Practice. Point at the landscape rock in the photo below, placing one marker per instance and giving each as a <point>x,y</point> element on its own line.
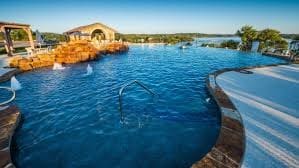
<point>68,53</point>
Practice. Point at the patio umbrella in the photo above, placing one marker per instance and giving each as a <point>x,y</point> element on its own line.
<point>39,38</point>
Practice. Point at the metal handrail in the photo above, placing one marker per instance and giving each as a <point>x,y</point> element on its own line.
<point>121,93</point>
<point>13,95</point>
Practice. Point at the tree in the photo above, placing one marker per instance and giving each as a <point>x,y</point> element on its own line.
<point>231,44</point>
<point>267,38</point>
<point>296,37</point>
<point>271,38</point>
<point>248,34</point>
<point>53,37</point>
<point>17,35</point>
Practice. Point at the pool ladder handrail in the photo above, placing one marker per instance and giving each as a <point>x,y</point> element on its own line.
<point>120,93</point>
<point>12,98</point>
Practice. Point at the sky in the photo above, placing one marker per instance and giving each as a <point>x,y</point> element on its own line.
<point>154,16</point>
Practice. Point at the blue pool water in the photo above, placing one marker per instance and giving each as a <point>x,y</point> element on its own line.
<point>72,120</point>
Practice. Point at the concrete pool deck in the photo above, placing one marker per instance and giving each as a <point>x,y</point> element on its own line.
<point>268,102</point>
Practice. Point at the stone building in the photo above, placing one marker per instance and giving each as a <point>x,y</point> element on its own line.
<point>95,31</point>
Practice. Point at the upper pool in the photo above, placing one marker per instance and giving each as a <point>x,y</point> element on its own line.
<point>72,120</point>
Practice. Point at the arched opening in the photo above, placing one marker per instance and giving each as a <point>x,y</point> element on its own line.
<point>98,34</point>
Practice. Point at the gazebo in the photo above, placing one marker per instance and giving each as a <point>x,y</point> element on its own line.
<point>6,27</point>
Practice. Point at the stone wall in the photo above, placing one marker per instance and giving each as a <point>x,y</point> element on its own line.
<point>69,53</point>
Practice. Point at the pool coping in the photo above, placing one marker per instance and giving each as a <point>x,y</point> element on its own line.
<point>229,148</point>
<point>10,117</point>
<point>10,73</point>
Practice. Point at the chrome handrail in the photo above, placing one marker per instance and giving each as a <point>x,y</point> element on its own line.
<point>13,95</point>
<point>121,93</point>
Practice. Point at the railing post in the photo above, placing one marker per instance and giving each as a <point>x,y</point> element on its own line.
<point>11,99</point>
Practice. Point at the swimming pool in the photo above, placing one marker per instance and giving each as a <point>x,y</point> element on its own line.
<point>73,120</point>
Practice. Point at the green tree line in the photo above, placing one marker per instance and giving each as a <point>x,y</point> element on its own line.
<point>165,38</point>
<point>21,35</point>
<point>230,44</point>
<point>268,38</point>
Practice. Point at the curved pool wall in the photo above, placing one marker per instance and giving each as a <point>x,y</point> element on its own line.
<point>74,119</point>
<point>230,146</point>
<point>229,149</point>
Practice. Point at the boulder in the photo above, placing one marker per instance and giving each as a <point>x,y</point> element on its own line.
<point>24,64</point>
<point>70,53</point>
<point>14,61</point>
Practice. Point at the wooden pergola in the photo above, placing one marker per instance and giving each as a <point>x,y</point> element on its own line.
<point>6,27</point>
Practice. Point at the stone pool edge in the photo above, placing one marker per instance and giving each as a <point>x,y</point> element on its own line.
<point>229,148</point>
<point>10,118</point>
<point>10,73</point>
